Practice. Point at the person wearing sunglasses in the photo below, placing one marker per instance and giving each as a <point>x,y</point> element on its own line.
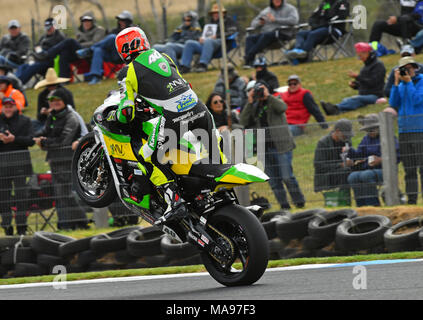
<point>190,29</point>
<point>301,106</point>
<point>217,106</point>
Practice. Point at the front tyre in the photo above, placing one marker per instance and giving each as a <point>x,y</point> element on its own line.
<point>91,176</point>
<point>245,255</point>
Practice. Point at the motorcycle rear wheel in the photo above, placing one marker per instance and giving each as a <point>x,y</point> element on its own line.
<point>95,187</point>
<point>249,240</point>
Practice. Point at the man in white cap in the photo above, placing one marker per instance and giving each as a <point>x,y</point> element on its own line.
<point>14,46</point>
<point>105,49</point>
<point>51,37</point>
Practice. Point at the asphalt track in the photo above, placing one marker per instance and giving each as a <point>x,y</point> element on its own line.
<point>395,279</point>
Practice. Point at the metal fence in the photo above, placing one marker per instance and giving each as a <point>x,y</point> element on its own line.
<point>45,199</point>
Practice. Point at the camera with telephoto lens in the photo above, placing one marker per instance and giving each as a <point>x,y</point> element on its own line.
<point>258,90</point>
<point>403,71</point>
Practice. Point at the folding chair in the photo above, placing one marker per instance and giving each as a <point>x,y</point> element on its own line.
<point>41,196</point>
<point>110,69</point>
<point>275,52</point>
<point>78,68</point>
<point>231,46</point>
<point>337,41</point>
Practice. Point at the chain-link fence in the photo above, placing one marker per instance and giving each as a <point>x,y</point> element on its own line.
<point>38,195</point>
<point>318,171</point>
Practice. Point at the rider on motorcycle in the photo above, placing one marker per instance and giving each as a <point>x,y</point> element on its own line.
<point>155,78</point>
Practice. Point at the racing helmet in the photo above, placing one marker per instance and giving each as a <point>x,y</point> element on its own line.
<point>130,42</point>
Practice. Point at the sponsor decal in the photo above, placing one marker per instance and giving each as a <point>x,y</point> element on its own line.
<point>184,116</point>
<point>154,56</point>
<point>186,102</point>
<point>175,84</point>
<point>204,239</point>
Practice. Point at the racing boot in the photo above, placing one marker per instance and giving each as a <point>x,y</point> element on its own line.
<point>176,208</point>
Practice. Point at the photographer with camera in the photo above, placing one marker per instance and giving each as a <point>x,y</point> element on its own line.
<point>407,99</point>
<point>268,112</point>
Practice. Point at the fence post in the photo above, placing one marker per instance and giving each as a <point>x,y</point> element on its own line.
<point>389,158</point>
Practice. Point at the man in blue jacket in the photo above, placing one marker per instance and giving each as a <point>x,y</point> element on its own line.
<point>407,98</point>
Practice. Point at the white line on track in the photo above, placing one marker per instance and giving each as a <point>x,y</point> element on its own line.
<point>186,275</point>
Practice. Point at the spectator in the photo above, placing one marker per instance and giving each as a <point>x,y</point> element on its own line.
<point>407,99</point>
<point>5,70</point>
<point>331,168</point>
<point>406,51</point>
<point>278,14</point>
<point>369,83</point>
<point>14,46</point>
<point>190,29</point>
<point>319,21</point>
<point>217,106</point>
<point>236,88</point>
<point>407,6</point>
<point>105,50</point>
<point>209,42</point>
<point>15,165</point>
<point>7,91</point>
<point>263,75</point>
<point>88,34</point>
<point>61,130</point>
<point>369,156</point>
<point>52,37</point>
<point>404,26</point>
<point>301,105</point>
<point>266,111</point>
<point>51,82</point>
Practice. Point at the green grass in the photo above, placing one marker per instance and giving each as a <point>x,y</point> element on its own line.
<point>200,268</point>
<point>327,81</point>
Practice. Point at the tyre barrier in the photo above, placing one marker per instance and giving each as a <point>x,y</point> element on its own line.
<point>310,233</point>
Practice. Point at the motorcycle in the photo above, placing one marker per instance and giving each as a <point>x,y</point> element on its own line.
<point>232,242</point>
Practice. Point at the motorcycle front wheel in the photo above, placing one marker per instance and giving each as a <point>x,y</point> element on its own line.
<point>242,235</point>
<point>91,175</point>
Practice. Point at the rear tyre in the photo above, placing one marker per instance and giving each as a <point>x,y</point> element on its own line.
<point>93,185</point>
<point>249,242</point>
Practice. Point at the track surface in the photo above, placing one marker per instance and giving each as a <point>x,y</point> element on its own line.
<point>377,280</point>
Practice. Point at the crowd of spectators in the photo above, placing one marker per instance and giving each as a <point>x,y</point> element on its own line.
<point>257,101</point>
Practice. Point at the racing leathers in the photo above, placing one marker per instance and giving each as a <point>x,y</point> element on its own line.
<point>155,78</point>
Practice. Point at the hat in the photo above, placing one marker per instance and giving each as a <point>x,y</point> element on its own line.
<point>89,15</point>
<point>362,47</point>
<point>59,93</point>
<point>294,77</point>
<point>125,15</point>
<point>8,100</point>
<point>51,78</point>
<point>407,49</point>
<point>5,79</point>
<point>260,62</point>
<point>48,23</point>
<point>368,122</point>
<point>13,24</point>
<point>250,85</point>
<point>345,126</point>
<point>215,8</point>
<point>407,60</point>
<point>231,70</point>
<point>5,67</point>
